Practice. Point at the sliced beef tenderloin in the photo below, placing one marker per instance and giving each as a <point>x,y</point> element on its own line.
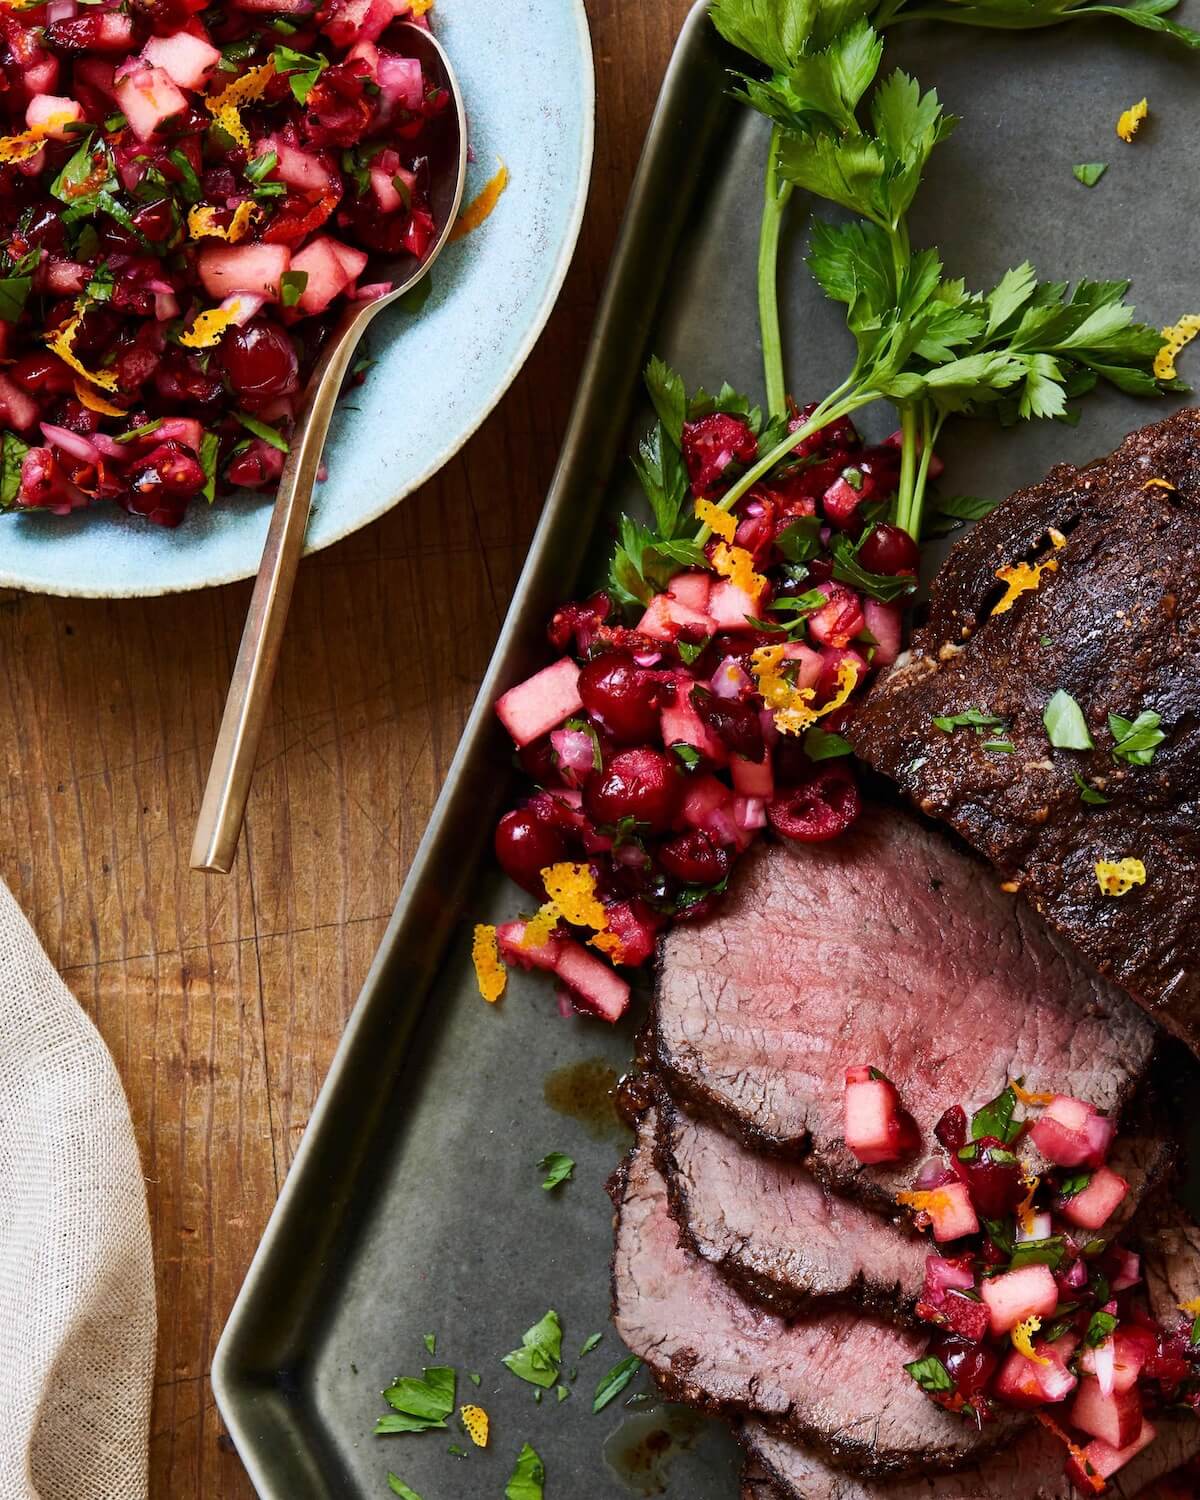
<point>769,1226</point>
<point>1029,1469</point>
<point>889,947</point>
<point>1115,622</point>
<point>756,1484</point>
<point>836,1381</point>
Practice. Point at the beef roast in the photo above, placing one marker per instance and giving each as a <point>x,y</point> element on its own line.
<point>770,1228</point>
<point>891,947</point>
<point>1115,622</point>
<point>1031,1469</point>
<point>836,1381</point>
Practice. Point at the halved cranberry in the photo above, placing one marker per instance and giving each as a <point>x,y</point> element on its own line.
<point>525,845</point>
<point>576,623</point>
<point>645,785</point>
<point>993,1178</point>
<point>694,859</point>
<point>170,469</point>
<point>970,1365</point>
<point>889,549</point>
<point>636,925</point>
<point>623,698</point>
<point>735,722</point>
<point>711,444</point>
<point>951,1129</point>
<point>42,374</point>
<point>260,360</point>
<point>256,466</point>
<point>818,809</point>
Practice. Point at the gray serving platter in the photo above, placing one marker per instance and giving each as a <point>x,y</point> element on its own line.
<point>414,1205</point>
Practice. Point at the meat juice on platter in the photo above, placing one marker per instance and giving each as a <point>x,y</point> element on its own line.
<point>900,1206</point>
<point>191,195</point>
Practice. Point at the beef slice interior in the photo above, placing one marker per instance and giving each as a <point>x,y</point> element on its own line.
<point>769,1227</point>
<point>836,1381</point>
<point>1114,622</point>
<point>1028,1469</point>
<point>889,947</point>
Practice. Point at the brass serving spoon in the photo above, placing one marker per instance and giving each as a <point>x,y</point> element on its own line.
<point>224,806</point>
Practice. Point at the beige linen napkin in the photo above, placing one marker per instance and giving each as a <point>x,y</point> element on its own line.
<point>77,1315</point>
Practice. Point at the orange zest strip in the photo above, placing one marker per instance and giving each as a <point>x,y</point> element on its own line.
<point>481,206</point>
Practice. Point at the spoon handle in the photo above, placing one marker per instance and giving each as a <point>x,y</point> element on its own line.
<point>219,824</point>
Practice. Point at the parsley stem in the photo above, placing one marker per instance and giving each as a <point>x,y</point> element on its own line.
<point>836,404</point>
<point>909,445</point>
<point>775,202</point>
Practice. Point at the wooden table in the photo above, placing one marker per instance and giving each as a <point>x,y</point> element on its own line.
<point>222,999</point>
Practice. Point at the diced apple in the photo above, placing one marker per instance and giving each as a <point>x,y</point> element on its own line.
<point>17,408</point>
<point>1128,1271</point>
<point>728,606</point>
<point>400,80</point>
<point>1132,1346</point>
<point>1041,1227</point>
<point>541,702</point>
<point>704,797</point>
<point>886,624</point>
<point>225,269</point>
<point>809,663</point>
<point>1014,1296</point>
<point>1097,1203</point>
<point>1024,1383</point>
<point>1104,1460</point>
<point>753,778</point>
<point>303,170</point>
<point>873,1119</point>
<point>330,268</point>
<point>1072,1133</point>
<point>951,1212</point>
<point>508,940</point>
<point>692,590</point>
<point>681,724</point>
<point>1116,1418</point>
<point>595,985</point>
<point>665,617</point>
<point>186,59</point>
<point>53,113</point>
<point>384,188</point>
<point>148,97</point>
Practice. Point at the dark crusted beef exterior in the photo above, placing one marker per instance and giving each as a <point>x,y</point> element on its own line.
<point>767,1225</point>
<point>1116,625</point>
<point>887,947</point>
<point>836,1381</point>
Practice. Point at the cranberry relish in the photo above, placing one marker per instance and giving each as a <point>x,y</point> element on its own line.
<point>1034,1304</point>
<point>661,750</point>
<point>190,192</point>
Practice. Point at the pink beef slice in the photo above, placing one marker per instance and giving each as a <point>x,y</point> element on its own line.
<point>769,1227</point>
<point>889,947</point>
<point>836,1381</point>
<point>1115,623</point>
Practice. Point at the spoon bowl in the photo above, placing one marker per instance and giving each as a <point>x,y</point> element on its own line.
<point>219,824</point>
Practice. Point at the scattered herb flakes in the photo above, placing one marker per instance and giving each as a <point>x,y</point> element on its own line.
<point>1194,1336</point>
<point>930,1374</point>
<point>557,1167</point>
<point>821,744</point>
<point>291,287</point>
<point>1044,640</point>
<point>970,718</point>
<point>1099,1329</point>
<point>456,1451</point>
<point>690,650</point>
<point>418,1405</point>
<point>615,1381</point>
<point>1088,793</point>
<point>996,1119</point>
<point>210,448</point>
<point>474,1377</point>
<point>1089,172</point>
<point>1001,747</point>
<point>688,754</point>
<point>562,1393</point>
<point>398,1487</point>
<point>1072,1186</point>
<point>262,430</point>
<point>430,1342</point>
<point>1065,723</point>
<point>1136,739</point>
<point>143,431</point>
<point>1048,1252</point>
<point>527,1478</point>
<point>537,1360</point>
<point>537,1396</point>
<point>14,290</point>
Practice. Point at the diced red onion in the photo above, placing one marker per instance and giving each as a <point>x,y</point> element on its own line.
<point>1075,1275</point>
<point>935,1173</point>
<point>647,658</point>
<point>166,306</point>
<point>71,442</point>
<point>942,1274</point>
<point>248,305</point>
<point>722,825</point>
<point>1105,1360</point>
<point>754,508</point>
<point>108,446</point>
<point>749,813</point>
<point>574,749</point>
<point>369,292</point>
<point>730,679</point>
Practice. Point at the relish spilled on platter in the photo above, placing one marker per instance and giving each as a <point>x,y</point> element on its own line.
<point>1036,1307</point>
<point>661,749</point>
<point>190,194</point>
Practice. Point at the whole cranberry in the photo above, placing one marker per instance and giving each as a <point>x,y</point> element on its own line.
<point>259,360</point>
<point>951,1129</point>
<point>155,219</point>
<point>818,809</point>
<point>623,698</point>
<point>694,859</point>
<point>889,549</point>
<point>525,845</point>
<point>42,374</point>
<point>635,925</point>
<point>993,1178</point>
<point>644,784</point>
<point>733,721</point>
<point>970,1366</point>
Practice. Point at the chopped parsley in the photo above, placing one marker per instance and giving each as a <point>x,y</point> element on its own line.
<point>1088,793</point>
<point>538,1359</point>
<point>557,1167</point>
<point>418,1405</point>
<point>398,1487</point>
<point>970,718</point>
<point>430,1342</point>
<point>930,1374</point>
<point>302,70</point>
<point>590,1343</point>
<point>12,456</point>
<point>1003,747</point>
<point>528,1478</point>
<point>1065,723</point>
<point>1100,1327</point>
<point>1136,739</point>
<point>1048,1252</point>
<point>1089,172</point>
<point>996,1119</point>
<point>291,287</point>
<point>1073,1185</point>
<point>612,1384</point>
<point>263,430</point>
<point>821,744</point>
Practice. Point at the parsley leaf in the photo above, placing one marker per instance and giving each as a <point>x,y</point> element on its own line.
<point>996,1119</point>
<point>430,1342</point>
<point>12,456</point>
<point>1099,1328</point>
<point>1048,1252</point>
<point>1074,1184</point>
<point>301,70</point>
<point>1136,739</point>
<point>590,1343</point>
<point>930,1374</point>
<point>291,287</point>
<point>398,1487</point>
<point>262,430</point>
<point>1065,724</point>
<point>210,448</point>
<point>970,718</point>
<point>261,167</point>
<point>14,292</point>
<point>540,1354</point>
<point>882,586</point>
<point>1088,793</point>
<point>557,1167</point>
<point>669,395</point>
<point>820,744</point>
<point>528,1478</point>
<point>419,1405</point>
<point>612,1384</point>
<point>1090,172</point>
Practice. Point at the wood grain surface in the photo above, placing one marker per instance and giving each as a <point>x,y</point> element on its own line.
<point>222,999</point>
